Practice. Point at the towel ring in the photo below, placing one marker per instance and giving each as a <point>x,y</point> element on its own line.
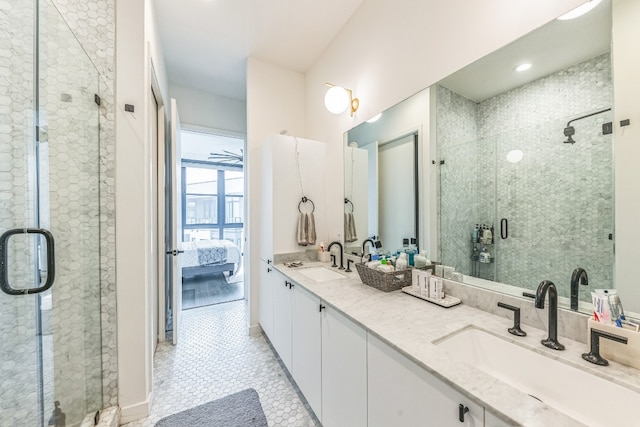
<point>305,200</point>
<point>347,201</point>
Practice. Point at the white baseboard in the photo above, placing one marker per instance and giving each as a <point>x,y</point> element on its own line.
<point>137,411</point>
<point>255,330</point>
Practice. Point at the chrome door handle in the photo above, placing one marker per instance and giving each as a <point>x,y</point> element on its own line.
<point>4,271</point>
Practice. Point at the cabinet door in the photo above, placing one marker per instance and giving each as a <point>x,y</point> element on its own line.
<point>344,371</point>
<point>306,351</point>
<point>282,318</point>
<point>401,393</point>
<point>491,420</point>
<point>266,299</point>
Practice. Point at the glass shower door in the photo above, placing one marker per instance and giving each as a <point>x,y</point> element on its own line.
<point>557,198</point>
<point>50,346</point>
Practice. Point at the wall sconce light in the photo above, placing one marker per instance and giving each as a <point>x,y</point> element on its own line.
<point>338,99</point>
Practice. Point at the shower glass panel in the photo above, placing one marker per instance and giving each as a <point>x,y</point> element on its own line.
<point>558,203</point>
<point>50,352</point>
<point>550,204</point>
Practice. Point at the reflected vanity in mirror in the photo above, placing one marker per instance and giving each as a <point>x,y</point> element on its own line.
<point>525,155</point>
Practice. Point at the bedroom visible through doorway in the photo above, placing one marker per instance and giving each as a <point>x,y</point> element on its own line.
<point>213,207</point>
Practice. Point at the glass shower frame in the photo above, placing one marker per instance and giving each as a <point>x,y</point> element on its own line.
<point>51,347</point>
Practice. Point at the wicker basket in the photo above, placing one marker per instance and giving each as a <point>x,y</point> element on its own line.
<point>386,282</point>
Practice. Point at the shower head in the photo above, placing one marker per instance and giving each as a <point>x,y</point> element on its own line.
<point>569,131</point>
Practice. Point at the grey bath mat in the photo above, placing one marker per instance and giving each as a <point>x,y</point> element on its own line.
<point>242,409</point>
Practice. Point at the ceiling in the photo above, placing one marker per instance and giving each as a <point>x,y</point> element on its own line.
<point>550,48</point>
<point>206,43</point>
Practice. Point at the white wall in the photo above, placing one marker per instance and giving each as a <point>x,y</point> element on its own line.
<point>626,141</point>
<point>136,47</point>
<point>275,102</point>
<point>208,110</point>
<point>389,51</point>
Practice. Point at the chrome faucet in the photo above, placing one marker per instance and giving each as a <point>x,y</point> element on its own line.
<point>341,253</point>
<point>364,244</point>
<point>579,276</point>
<point>543,287</point>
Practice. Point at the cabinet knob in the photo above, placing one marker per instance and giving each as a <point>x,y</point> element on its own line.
<point>287,284</point>
<point>268,270</point>
<point>322,307</point>
<point>462,410</point>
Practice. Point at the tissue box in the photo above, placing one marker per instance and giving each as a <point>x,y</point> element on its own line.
<point>626,354</point>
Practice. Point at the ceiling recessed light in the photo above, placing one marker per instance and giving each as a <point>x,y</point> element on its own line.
<point>580,10</point>
<point>374,118</point>
<point>523,67</point>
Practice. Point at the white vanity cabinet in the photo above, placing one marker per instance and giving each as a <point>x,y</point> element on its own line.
<point>282,322</point>
<point>402,393</point>
<point>491,420</point>
<point>344,371</point>
<point>306,347</point>
<point>266,298</point>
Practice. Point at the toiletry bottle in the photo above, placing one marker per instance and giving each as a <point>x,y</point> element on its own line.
<point>401,262</point>
<point>384,266</point>
<point>484,256</point>
<point>475,234</point>
<point>488,236</point>
<point>420,260</point>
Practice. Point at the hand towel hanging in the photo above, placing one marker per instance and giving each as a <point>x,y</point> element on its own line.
<point>302,232</point>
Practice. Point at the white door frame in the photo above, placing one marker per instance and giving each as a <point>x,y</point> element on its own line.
<point>160,187</point>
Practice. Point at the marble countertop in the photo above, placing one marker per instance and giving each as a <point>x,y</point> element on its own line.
<point>411,325</point>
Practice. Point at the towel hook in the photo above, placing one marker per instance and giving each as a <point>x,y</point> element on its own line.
<point>305,200</point>
<point>347,201</point>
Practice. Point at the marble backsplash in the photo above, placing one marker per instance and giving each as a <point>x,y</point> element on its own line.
<point>571,324</point>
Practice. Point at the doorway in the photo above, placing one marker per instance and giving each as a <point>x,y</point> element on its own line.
<point>212,196</point>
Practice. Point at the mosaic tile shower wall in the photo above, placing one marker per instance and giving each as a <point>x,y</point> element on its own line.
<point>77,188</point>
<point>457,131</point>
<point>558,199</point>
<point>93,24</point>
<point>69,133</point>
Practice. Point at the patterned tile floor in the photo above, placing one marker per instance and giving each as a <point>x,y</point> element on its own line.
<point>216,357</point>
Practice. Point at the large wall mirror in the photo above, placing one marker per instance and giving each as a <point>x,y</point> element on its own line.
<point>521,160</point>
<point>382,163</point>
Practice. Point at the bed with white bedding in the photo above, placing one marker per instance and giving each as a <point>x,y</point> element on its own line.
<point>209,256</point>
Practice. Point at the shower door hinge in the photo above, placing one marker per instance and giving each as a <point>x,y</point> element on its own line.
<point>442,162</point>
<point>97,99</point>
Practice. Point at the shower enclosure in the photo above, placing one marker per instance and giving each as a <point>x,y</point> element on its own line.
<point>534,166</point>
<point>550,204</point>
<point>50,345</point>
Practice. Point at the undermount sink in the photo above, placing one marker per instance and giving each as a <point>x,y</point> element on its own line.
<point>321,274</point>
<point>583,396</point>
